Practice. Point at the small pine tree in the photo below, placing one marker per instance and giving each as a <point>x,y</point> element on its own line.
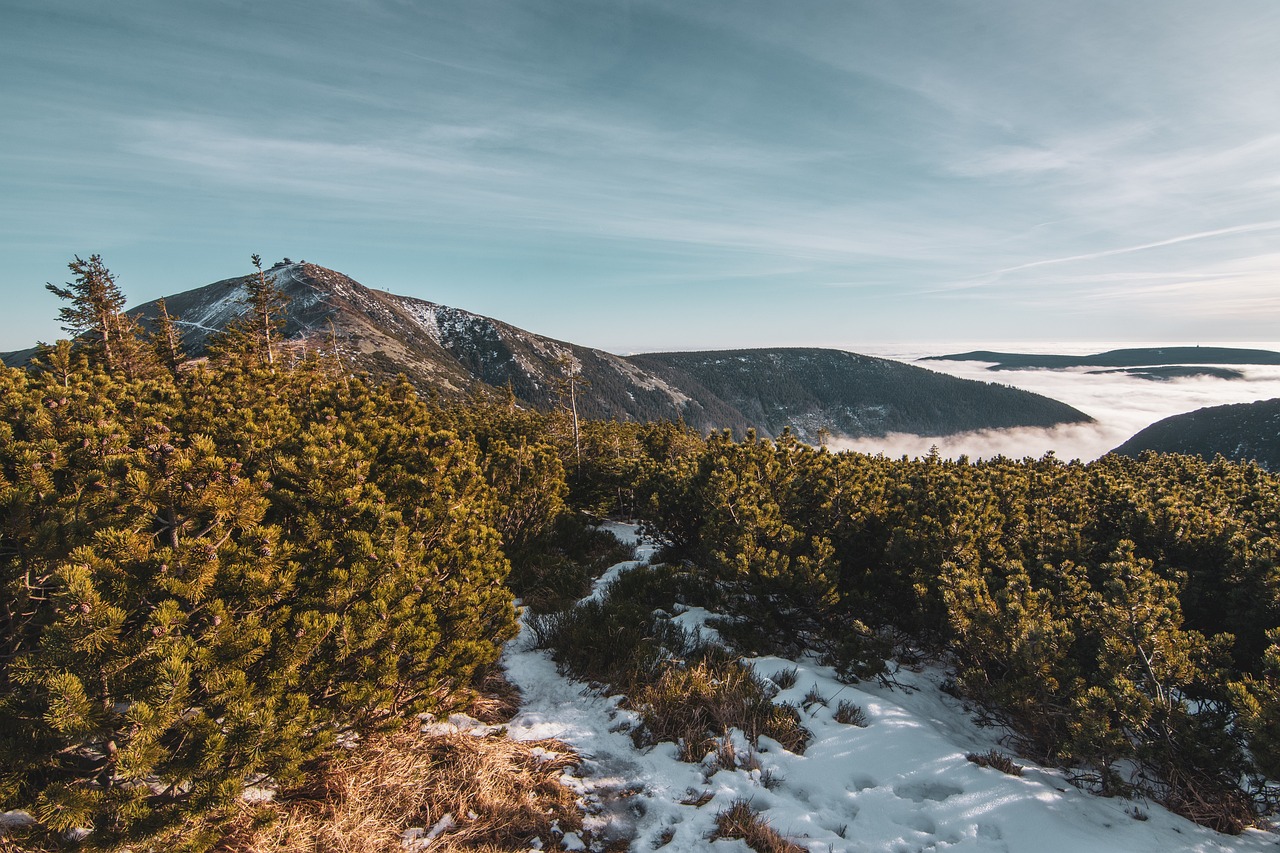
<point>166,338</point>
<point>95,316</point>
<point>1257,702</point>
<point>95,305</point>
<point>265,304</point>
<point>136,357</point>
<point>253,338</point>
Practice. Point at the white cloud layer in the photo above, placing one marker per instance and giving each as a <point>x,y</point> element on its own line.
<point>1121,405</point>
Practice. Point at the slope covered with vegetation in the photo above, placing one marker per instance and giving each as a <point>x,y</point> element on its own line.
<point>215,573</point>
<point>1131,357</point>
<point>820,391</point>
<point>1118,615</point>
<point>1242,432</point>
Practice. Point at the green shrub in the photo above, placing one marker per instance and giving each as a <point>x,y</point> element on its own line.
<point>557,568</point>
<point>695,706</point>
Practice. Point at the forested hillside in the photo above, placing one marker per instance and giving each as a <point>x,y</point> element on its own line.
<point>1121,358</point>
<point>816,391</point>
<point>1245,432</point>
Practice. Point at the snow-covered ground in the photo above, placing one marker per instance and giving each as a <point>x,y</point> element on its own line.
<point>901,783</point>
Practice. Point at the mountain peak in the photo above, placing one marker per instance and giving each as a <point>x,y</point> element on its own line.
<point>452,351</point>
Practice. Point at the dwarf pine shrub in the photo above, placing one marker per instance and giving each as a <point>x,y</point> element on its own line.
<point>687,691</point>
<point>1116,614</point>
<point>208,578</point>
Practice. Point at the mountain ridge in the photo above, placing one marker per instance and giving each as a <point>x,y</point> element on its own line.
<point>454,352</point>
<point>1130,357</point>
<point>853,394</point>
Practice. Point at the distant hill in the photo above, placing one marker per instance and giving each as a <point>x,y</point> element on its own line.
<point>1164,373</point>
<point>452,352</point>
<point>850,394</point>
<point>1243,431</point>
<point>1172,361</point>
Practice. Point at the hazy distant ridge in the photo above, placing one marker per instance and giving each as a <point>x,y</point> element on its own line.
<point>1132,357</point>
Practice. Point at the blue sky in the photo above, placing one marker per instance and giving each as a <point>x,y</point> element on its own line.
<point>663,175</point>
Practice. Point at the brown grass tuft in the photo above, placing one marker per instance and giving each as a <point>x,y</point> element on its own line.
<point>850,713</point>
<point>698,800</point>
<point>496,699</point>
<point>813,697</point>
<point>1209,802</point>
<point>742,821</point>
<point>697,706</point>
<point>500,793</point>
<point>785,678</point>
<point>996,761</point>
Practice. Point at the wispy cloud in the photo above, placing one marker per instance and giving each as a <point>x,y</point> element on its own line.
<point>1142,247</point>
<point>880,166</point>
<point>1079,152</point>
<point>548,172</point>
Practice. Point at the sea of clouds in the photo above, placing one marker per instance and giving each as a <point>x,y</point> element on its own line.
<point>1121,405</point>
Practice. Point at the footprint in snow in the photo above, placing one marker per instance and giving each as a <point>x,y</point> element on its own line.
<point>920,791</point>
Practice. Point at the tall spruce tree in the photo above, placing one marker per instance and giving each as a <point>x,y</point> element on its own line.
<point>95,317</point>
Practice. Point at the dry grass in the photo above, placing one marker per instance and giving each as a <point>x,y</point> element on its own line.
<point>500,793</point>
<point>1219,805</point>
<point>850,713</point>
<point>496,700</point>
<point>11,845</point>
<point>996,761</point>
<point>698,800</point>
<point>698,705</point>
<point>785,678</point>
<point>742,821</point>
<point>813,697</point>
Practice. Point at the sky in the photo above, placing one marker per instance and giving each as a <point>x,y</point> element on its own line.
<point>661,174</point>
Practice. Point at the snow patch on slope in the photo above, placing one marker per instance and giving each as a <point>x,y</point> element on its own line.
<point>425,315</point>
<point>217,314</point>
<point>647,381</point>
